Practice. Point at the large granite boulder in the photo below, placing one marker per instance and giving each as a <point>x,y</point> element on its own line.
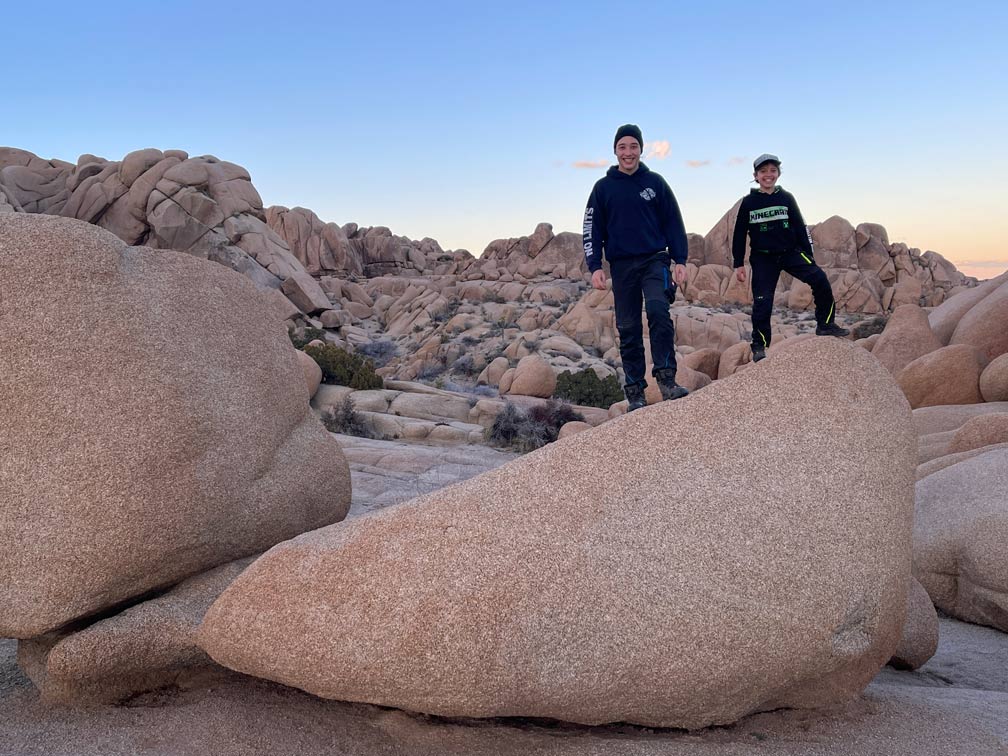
<point>994,380</point>
<point>154,423</point>
<point>669,586</point>
<point>950,375</point>
<point>533,377</point>
<point>961,538</point>
<point>920,630</point>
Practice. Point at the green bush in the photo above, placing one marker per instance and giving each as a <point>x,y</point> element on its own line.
<point>345,368</point>
<point>587,389</point>
<point>301,337</point>
<point>526,431</point>
<point>343,418</point>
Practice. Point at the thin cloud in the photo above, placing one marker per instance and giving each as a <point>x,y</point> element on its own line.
<point>985,263</point>
<point>736,161</point>
<point>697,163</point>
<point>658,150</point>
<point>590,163</point>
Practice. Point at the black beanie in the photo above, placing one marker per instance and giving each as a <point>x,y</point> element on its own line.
<point>628,129</point>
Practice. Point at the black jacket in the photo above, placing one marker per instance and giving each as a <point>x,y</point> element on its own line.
<point>774,224</point>
<point>630,216</point>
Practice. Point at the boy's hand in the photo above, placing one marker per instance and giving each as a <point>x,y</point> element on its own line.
<point>740,274</point>
<point>598,280</point>
<point>679,274</point>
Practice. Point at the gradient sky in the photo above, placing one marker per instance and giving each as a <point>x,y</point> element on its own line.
<point>465,121</point>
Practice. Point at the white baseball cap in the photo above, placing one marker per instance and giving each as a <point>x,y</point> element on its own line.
<point>766,157</point>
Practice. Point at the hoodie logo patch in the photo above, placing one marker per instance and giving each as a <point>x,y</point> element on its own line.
<point>648,194</point>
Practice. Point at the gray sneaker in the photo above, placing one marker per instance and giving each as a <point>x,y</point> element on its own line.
<point>758,353</point>
<point>669,388</point>
<point>634,393</point>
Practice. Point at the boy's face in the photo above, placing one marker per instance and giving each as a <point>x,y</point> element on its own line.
<point>767,175</point>
<point>628,154</point>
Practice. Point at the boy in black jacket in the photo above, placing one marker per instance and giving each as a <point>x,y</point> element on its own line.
<point>633,218</point>
<point>778,240</point>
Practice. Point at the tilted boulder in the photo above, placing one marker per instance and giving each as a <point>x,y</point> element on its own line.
<point>148,646</point>
<point>983,326</point>
<point>570,584</point>
<point>928,420</point>
<point>945,318</point>
<point>982,430</point>
<point>154,423</point>
<point>961,538</point>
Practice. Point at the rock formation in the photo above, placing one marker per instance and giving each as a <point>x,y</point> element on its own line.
<point>155,423</point>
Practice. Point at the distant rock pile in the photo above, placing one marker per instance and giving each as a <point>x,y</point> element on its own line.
<point>444,312</point>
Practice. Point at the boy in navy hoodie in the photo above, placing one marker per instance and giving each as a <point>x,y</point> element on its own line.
<point>633,219</point>
<point>778,241</point>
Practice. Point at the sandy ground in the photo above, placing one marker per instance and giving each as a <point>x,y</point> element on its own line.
<point>956,704</point>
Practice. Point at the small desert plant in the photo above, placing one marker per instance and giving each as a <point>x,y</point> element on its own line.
<point>554,414</point>
<point>465,365</point>
<point>343,418</point>
<point>380,352</point>
<point>867,328</point>
<point>473,392</point>
<point>587,389</point>
<point>301,337</point>
<point>526,431</point>
<point>344,368</point>
<point>431,371</point>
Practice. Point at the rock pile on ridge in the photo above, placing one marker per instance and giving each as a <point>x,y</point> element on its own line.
<point>669,586</point>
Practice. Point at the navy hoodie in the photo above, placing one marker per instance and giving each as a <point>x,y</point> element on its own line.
<point>774,224</point>
<point>630,216</point>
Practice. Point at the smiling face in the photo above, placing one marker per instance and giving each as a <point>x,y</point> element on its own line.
<point>766,176</point>
<point>628,154</point>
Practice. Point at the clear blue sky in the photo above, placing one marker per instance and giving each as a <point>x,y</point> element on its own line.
<point>464,121</point>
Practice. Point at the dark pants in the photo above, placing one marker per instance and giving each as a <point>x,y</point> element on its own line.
<point>644,280</point>
<point>766,269</point>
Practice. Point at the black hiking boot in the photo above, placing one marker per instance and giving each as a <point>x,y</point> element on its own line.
<point>830,329</point>
<point>758,353</point>
<point>634,393</point>
<point>669,388</point>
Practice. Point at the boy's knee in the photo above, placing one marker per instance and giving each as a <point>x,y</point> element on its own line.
<point>629,326</point>
<point>656,309</point>
<point>762,303</point>
<point>820,280</point>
